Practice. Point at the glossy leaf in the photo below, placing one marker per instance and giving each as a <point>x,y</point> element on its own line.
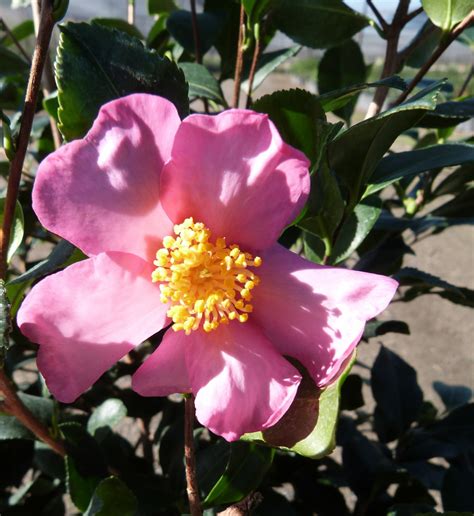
<point>340,67</point>
<point>180,25</point>
<point>355,229</point>
<point>161,6</point>
<point>355,154</point>
<point>108,414</point>
<point>401,165</point>
<point>118,23</point>
<point>97,64</point>
<point>452,396</point>
<point>11,63</point>
<point>266,64</point>
<point>449,114</point>
<point>248,464</point>
<point>427,39</point>
<point>309,426</point>
<point>446,13</point>
<point>17,230</point>
<point>397,394</point>
<point>255,9</point>
<point>11,428</point>
<point>318,23</point>
<point>298,117</point>
<point>337,99</point>
<point>202,84</point>
<point>110,498</point>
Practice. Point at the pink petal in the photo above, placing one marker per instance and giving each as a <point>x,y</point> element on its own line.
<point>88,316</point>
<point>316,314</point>
<point>234,173</point>
<point>102,193</point>
<point>241,383</point>
<point>164,372</point>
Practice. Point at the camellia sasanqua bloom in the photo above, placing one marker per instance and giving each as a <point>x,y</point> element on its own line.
<point>180,221</point>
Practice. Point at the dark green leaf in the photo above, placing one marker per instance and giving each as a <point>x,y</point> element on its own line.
<point>118,23</point>
<point>355,154</point>
<point>407,164</point>
<point>21,31</point>
<point>340,67</point>
<point>11,63</point>
<point>318,23</point>
<point>397,393</point>
<point>446,13</point>
<point>112,497</point>
<point>334,100</point>
<point>309,426</point>
<point>314,248</point>
<point>18,228</point>
<point>298,117</point>
<point>247,466</point>
<point>356,228</point>
<point>456,181</point>
<point>211,463</point>
<point>108,414</point>
<point>202,84</point>
<point>427,38</point>
<point>457,493</point>
<point>449,114</point>
<point>453,395</point>
<point>158,34</point>
<point>96,64</point>
<point>256,9</point>
<point>266,64</point>
<point>11,428</point>
<point>378,328</point>
<point>161,6</point>
<point>51,105</point>
<point>180,26</point>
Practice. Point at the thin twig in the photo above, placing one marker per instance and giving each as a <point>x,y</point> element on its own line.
<point>239,59</point>
<point>378,15</point>
<point>11,403</point>
<point>131,12</point>
<point>190,458</point>
<point>15,41</point>
<point>413,14</point>
<point>253,69</point>
<point>466,82</point>
<point>442,46</point>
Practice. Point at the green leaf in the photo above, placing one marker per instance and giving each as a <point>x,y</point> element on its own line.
<point>119,24</point>
<point>356,228</point>
<point>453,396</point>
<point>108,414</point>
<point>266,64</point>
<point>11,63</point>
<point>446,13</point>
<point>158,34</point>
<point>467,37</point>
<point>161,6</point>
<point>337,99</point>
<point>449,114</point>
<point>11,428</point>
<point>456,181</point>
<point>63,254</point>
<point>112,497</point>
<point>202,84</point>
<point>397,394</point>
<point>298,117</point>
<point>355,153</point>
<point>340,67</point>
<point>180,26</point>
<point>256,9</point>
<point>20,32</point>
<point>17,230</point>
<point>423,44</point>
<point>318,23</point>
<point>51,105</point>
<point>97,64</point>
<point>248,464</point>
<point>401,165</point>
<point>309,426</point>
<point>457,493</point>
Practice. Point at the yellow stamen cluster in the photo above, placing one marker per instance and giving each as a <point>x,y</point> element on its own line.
<point>206,283</point>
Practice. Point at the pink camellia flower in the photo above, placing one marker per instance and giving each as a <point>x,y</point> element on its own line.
<point>180,221</point>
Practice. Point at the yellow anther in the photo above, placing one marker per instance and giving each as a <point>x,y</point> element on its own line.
<point>206,283</point>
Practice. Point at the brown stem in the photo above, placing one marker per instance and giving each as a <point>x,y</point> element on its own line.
<point>13,405</point>
<point>466,82</point>
<point>253,69</point>
<point>190,458</point>
<point>197,44</point>
<point>34,82</point>
<point>442,46</point>
<point>239,59</point>
<point>390,65</point>
<point>413,14</point>
<point>378,15</point>
<point>15,40</point>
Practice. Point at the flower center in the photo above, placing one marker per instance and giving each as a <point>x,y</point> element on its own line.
<point>206,283</point>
